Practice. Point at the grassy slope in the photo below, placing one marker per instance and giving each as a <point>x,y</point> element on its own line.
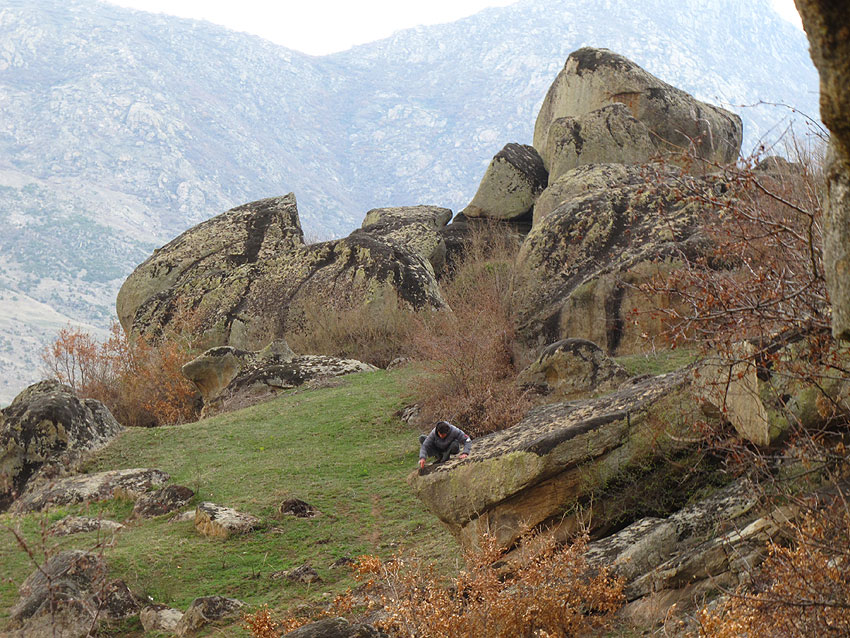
<point>340,449</point>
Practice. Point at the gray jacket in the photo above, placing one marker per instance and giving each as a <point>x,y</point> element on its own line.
<point>434,443</point>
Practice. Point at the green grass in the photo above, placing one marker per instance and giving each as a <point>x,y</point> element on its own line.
<point>657,362</point>
<point>341,449</point>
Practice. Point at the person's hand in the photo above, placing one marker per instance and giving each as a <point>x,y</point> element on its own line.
<point>421,464</point>
<point>463,456</point>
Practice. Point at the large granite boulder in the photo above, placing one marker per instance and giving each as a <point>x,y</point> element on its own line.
<point>415,228</point>
<point>510,185</point>
<point>584,260</point>
<point>827,25</point>
<point>229,378</point>
<point>594,78</point>
<point>86,488</point>
<point>45,431</point>
<point>544,470</point>
<point>244,273</point>
<point>572,368</point>
<point>608,134</point>
<point>67,596</point>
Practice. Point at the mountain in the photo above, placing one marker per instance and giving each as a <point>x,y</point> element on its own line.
<point>120,129</point>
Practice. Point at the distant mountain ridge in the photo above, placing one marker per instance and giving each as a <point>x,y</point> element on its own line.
<point>119,129</point>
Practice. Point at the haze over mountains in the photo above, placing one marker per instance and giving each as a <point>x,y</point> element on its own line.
<point>120,129</point>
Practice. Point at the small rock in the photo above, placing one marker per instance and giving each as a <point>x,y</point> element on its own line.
<point>162,501</point>
<point>298,508</point>
<point>334,628</point>
<point>208,610</point>
<point>160,618</point>
<point>79,524</point>
<point>304,574</point>
<point>116,601</point>
<point>215,521</point>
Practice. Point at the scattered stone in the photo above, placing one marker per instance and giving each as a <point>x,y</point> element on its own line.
<point>162,501</point>
<point>305,575</point>
<point>79,524</point>
<point>345,561</point>
<point>183,517</point>
<point>84,488</point>
<point>215,521</point>
<point>116,601</point>
<point>44,433</point>
<point>209,610</point>
<point>298,508</point>
<point>160,618</point>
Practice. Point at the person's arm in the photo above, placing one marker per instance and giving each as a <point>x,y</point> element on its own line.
<point>423,449</point>
<point>467,442</point>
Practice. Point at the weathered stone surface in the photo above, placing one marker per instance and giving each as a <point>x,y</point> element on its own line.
<point>594,78</point>
<point>335,628</point>
<point>607,134</point>
<point>160,618</point>
<point>247,276</point>
<point>415,228</point>
<point>45,431</point>
<point>116,602</point>
<point>60,596</point>
<point>537,471</point>
<point>230,379</point>
<point>510,185</point>
<point>79,524</point>
<point>208,610</point>
<point>305,574</point>
<point>298,508</point>
<point>216,521</point>
<point>573,367</point>
<point>585,258</point>
<point>826,25</point>
<point>162,501</point>
<point>84,488</point>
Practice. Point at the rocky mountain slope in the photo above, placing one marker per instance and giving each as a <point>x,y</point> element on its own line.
<point>120,129</point>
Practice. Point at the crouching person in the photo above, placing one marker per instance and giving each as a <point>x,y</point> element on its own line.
<point>443,441</point>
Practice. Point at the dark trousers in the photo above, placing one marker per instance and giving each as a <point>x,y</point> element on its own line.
<point>442,455</point>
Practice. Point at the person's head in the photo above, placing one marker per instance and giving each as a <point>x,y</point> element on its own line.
<point>442,429</point>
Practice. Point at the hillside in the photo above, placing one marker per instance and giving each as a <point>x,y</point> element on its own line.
<point>120,129</point>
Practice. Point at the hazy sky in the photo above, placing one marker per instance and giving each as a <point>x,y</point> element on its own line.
<point>324,26</point>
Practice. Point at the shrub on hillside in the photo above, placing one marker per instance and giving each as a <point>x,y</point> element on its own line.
<point>472,354</point>
<point>140,382</point>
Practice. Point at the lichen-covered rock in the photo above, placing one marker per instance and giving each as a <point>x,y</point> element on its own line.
<point>585,180</point>
<point>45,431</point>
<point>415,228</point>
<point>571,368</point>
<point>607,134</point>
<point>208,610</point>
<point>162,501</point>
<point>160,618</point>
<point>84,488</point>
<point>584,260</point>
<point>80,524</point>
<point>335,628</point>
<point>247,275</point>
<point>594,78</point>
<point>216,521</point>
<point>229,378</point>
<point>537,472</point>
<point>510,185</point>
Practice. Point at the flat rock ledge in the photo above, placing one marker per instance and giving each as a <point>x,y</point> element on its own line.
<point>79,524</point>
<point>216,521</point>
<point>84,488</point>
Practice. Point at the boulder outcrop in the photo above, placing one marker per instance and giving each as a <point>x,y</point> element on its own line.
<point>595,78</point>
<point>246,275</point>
<point>45,431</point>
<point>584,259</point>
<point>85,488</point>
<point>572,368</point>
<point>414,228</point>
<point>607,134</point>
<point>229,378</point>
<point>217,521</point>
<point>546,468</point>
<point>514,179</point>
<point>335,628</point>
<point>208,610</point>
<point>162,501</point>
<point>79,524</point>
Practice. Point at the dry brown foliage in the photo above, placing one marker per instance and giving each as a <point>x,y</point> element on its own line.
<point>140,382</point>
<point>472,354</point>
<point>547,591</point>
<point>800,590</point>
